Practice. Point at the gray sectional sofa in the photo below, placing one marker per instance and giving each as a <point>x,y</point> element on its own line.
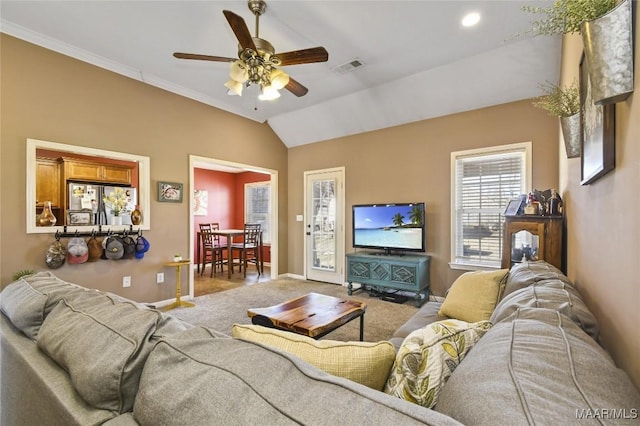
<point>71,356</point>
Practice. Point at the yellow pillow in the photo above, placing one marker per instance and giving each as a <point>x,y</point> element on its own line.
<point>474,295</point>
<point>363,362</point>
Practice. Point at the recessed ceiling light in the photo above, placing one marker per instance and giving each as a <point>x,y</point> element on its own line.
<point>471,19</point>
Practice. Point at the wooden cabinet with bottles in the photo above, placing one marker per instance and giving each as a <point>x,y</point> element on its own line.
<point>532,237</point>
<point>48,182</point>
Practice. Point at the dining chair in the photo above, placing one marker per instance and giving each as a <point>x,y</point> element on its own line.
<point>212,251</point>
<point>249,249</point>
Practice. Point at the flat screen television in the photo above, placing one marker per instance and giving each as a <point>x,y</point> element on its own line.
<point>390,227</point>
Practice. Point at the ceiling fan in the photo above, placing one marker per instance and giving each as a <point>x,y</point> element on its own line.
<point>258,63</point>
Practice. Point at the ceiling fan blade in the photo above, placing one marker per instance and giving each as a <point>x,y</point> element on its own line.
<point>202,57</point>
<point>296,88</point>
<point>304,56</point>
<point>240,29</point>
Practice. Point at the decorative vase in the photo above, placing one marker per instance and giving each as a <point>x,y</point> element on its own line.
<point>571,133</point>
<point>136,216</point>
<point>608,49</point>
<point>116,220</point>
<point>46,218</point>
<point>177,258</point>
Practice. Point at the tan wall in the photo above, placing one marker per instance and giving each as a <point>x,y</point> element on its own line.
<point>52,97</point>
<point>412,163</point>
<point>603,226</point>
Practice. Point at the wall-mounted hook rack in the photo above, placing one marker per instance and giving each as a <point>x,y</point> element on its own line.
<point>65,233</point>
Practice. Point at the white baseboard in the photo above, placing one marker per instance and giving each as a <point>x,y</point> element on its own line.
<point>294,276</point>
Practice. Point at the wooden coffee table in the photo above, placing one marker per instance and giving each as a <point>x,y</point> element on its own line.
<point>313,315</point>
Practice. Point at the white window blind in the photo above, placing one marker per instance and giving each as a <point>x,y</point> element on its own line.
<point>257,202</point>
<point>484,181</point>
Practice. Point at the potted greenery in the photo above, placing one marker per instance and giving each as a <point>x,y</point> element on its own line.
<point>564,103</point>
<point>567,16</point>
<point>606,29</point>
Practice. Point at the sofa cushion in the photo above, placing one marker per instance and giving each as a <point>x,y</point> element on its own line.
<point>426,315</point>
<point>232,381</point>
<point>539,368</point>
<point>36,390</point>
<point>28,300</point>
<point>428,356</point>
<point>550,294</point>
<point>524,274</point>
<point>363,362</point>
<point>474,295</point>
<point>55,288</point>
<point>103,347</point>
<point>24,306</point>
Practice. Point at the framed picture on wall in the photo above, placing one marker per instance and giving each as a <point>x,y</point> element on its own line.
<point>597,140</point>
<point>170,192</point>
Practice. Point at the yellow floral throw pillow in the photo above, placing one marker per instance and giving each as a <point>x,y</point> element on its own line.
<point>428,356</point>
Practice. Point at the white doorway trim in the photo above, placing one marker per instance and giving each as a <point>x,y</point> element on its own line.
<point>198,162</point>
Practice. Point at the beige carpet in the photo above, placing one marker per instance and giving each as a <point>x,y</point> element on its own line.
<point>221,310</point>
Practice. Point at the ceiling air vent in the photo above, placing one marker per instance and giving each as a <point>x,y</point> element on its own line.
<point>348,67</point>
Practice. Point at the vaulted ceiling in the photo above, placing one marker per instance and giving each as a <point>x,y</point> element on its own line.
<point>418,61</point>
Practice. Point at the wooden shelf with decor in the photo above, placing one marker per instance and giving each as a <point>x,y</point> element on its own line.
<point>532,237</point>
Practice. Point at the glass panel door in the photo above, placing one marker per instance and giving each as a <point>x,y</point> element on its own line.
<point>323,225</point>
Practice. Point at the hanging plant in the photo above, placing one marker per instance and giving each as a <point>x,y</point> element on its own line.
<point>566,16</point>
<point>559,101</point>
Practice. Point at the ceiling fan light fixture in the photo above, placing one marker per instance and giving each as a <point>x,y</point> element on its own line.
<point>258,59</point>
<point>235,87</point>
<point>239,71</point>
<point>269,93</point>
<point>279,79</point>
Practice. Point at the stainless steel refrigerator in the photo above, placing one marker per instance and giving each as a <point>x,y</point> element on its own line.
<point>86,204</point>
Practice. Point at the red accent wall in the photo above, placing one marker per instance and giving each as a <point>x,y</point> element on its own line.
<point>225,193</point>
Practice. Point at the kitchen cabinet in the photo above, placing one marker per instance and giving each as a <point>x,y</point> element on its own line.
<point>87,171</point>
<point>48,182</point>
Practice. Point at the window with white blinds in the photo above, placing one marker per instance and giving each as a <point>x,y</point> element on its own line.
<point>256,206</point>
<point>483,183</point>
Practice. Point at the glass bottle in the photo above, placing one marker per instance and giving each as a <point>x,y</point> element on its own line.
<point>46,218</point>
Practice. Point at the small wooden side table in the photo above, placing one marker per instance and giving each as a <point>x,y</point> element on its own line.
<point>178,302</point>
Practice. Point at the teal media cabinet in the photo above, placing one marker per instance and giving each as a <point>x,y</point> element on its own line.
<point>406,272</point>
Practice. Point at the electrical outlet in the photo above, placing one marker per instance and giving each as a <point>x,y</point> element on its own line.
<point>126,281</point>
<point>160,277</point>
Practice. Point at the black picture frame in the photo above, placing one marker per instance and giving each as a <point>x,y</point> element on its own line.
<point>597,132</point>
<point>170,192</point>
<point>513,208</point>
<point>79,217</point>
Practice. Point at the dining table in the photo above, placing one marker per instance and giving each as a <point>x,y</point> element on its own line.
<point>229,234</point>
